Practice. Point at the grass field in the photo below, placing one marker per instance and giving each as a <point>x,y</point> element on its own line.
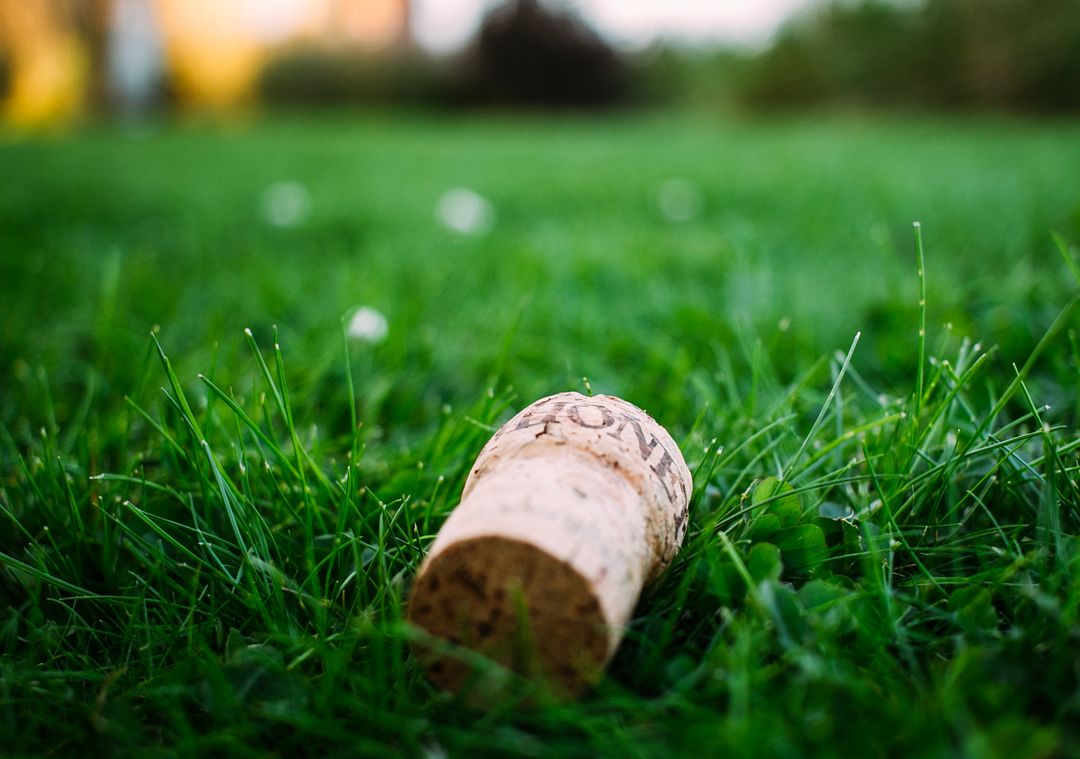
<point>206,536</point>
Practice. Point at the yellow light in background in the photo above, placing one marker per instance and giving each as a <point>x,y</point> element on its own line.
<point>49,64</point>
<point>373,24</point>
<point>215,49</point>
<point>212,49</point>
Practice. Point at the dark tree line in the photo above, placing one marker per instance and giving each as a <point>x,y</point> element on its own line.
<point>940,54</point>
<point>1013,54</point>
<point>524,55</point>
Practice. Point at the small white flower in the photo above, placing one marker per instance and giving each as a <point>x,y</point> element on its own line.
<point>367,325</point>
<point>285,204</point>
<point>680,200</point>
<point>465,212</point>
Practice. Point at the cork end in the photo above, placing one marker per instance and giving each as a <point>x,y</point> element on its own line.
<point>515,604</point>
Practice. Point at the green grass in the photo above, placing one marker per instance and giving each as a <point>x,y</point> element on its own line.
<point>206,536</point>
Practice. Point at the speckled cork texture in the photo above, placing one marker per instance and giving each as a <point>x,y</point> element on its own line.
<point>570,509</point>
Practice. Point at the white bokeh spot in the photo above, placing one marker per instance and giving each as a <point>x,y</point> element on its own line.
<point>465,212</point>
<point>367,325</point>
<point>285,204</point>
<point>680,200</point>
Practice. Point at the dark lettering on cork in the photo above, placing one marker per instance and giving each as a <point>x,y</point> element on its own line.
<point>663,469</point>
<point>534,419</point>
<point>593,416</point>
<point>646,447</point>
<point>606,419</point>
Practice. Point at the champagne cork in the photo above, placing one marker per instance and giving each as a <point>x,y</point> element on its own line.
<point>570,509</point>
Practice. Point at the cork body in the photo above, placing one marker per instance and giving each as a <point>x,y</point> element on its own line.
<point>570,509</point>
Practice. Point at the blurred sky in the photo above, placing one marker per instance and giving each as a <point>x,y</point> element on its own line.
<point>443,25</point>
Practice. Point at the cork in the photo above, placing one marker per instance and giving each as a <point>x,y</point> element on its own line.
<point>571,508</point>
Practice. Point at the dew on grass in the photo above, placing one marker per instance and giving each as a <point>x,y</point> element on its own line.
<point>679,200</point>
<point>367,325</point>
<point>285,204</point>
<point>465,211</point>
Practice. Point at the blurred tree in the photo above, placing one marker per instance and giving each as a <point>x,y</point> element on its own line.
<point>91,20</point>
<point>528,54</point>
<point>320,75</point>
<point>667,73</point>
<point>5,72</point>
<point>1016,53</point>
<point>966,53</point>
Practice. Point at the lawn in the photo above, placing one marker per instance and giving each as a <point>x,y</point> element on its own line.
<point>213,499</point>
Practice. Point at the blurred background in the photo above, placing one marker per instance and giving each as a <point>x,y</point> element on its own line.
<point>63,59</point>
